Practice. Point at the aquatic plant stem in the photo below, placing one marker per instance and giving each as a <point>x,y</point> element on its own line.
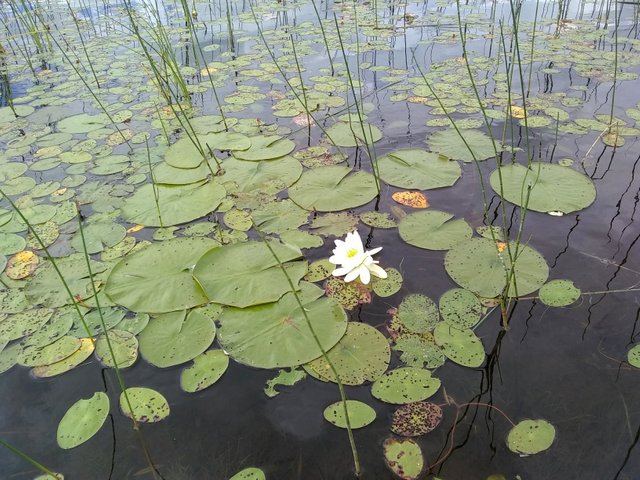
<point>325,356</point>
<point>33,462</point>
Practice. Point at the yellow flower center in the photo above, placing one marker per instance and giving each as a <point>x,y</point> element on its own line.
<point>352,252</point>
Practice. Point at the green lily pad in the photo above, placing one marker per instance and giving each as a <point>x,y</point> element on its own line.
<point>405,385</point>
<point>83,123</point>
<point>185,153</point>
<point>559,293</point>
<point>529,437</point>
<point>418,169</point>
<point>362,355</point>
<point>417,313</point>
<point>69,363</point>
<point>333,188</point>
<point>279,216</point>
<point>545,187</point>
<point>478,265</point>
<point>176,203</point>
<point>83,420</point>
<point>633,356</point>
<point>378,220</point>
<point>360,414</point>
<point>348,294</point>
<point>460,307</point>
<point>159,278</point>
<point>24,323</point>
<point>124,345</point>
<point>448,143</point>
<point>352,134</point>
<point>318,271</point>
<point>284,377</point>
<point>11,243</point>
<point>433,230</point>
<point>98,236</point>
<point>266,147</point>
<point>251,473</point>
<point>418,351</point>
<point>385,287</point>
<point>135,324</point>
<point>34,356</point>
<point>206,370</point>
<point>245,274</point>
<point>148,405</point>
<point>12,300</point>
<point>461,346</point>
<point>334,224</point>
<point>174,338</point>
<point>250,334</point>
<point>9,356</point>
<point>250,176</point>
<point>403,457</point>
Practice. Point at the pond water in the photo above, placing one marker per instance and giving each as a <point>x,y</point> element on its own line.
<point>120,109</point>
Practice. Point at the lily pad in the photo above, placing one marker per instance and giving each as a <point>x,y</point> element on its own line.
<point>385,287</point>
<point>559,293</point>
<point>266,147</point>
<point>545,187</point>
<point>461,346</point>
<point>362,355</point>
<point>405,385</point>
<point>352,134</point>
<point>448,143</point>
<point>403,457</point>
<point>415,419</point>
<point>250,176</point>
<point>98,236</point>
<point>418,169</point>
<point>279,216</point>
<point>378,220</point>
<point>245,274</point>
<point>176,337</point>
<point>284,377</point>
<point>83,420</point>
<point>206,370</point>
<point>418,351</point>
<point>69,363</point>
<point>34,356</point>
<point>333,188</point>
<point>24,323</point>
<point>348,294</point>
<point>360,414</point>
<point>124,345</point>
<point>460,307</point>
<point>529,437</point>
<point>417,313</point>
<point>159,278</point>
<point>433,230</point>
<point>9,356</point>
<point>277,334</point>
<point>148,405</point>
<point>21,265</point>
<point>251,473</point>
<point>633,356</point>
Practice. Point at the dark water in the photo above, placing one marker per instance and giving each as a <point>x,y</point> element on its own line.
<point>564,365</point>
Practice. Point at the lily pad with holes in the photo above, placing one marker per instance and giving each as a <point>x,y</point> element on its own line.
<point>284,377</point>
<point>418,169</point>
<point>415,419</point>
<point>559,293</point>
<point>246,274</point>
<point>461,308</point>
<point>478,145</point>
<point>479,265</point>
<point>158,278</point>
<point>148,405</point>
<point>277,334</point>
<point>405,385</point>
<point>461,346</point>
<point>545,187</point>
<point>433,230</point>
<point>333,188</point>
<point>176,337</point>
<point>124,345</point>
<point>251,473</point>
<point>417,313</point>
<point>206,370</point>
<point>83,420</point>
<point>360,414</point>
<point>529,437</point>
<point>403,457</point>
<point>362,355</point>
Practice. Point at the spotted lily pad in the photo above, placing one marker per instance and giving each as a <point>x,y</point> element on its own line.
<point>462,346</point>
<point>460,308</point>
<point>529,437</point>
<point>284,377</point>
<point>251,473</point>
<point>633,356</point>
<point>69,363</point>
<point>418,351</point>
<point>417,313</point>
<point>559,293</point>
<point>249,176</point>
<point>34,356</point>
<point>83,420</point>
<point>414,419</point>
<point>348,294</point>
<point>21,265</point>
<point>362,355</point>
<point>385,287</point>
<point>403,457</point>
<point>206,370</point>
<point>433,230</point>
<point>378,220</point>
<point>9,356</point>
<point>405,385</point>
<point>98,236</point>
<point>24,323</point>
<point>148,405</point>
<point>360,414</point>
<point>124,345</point>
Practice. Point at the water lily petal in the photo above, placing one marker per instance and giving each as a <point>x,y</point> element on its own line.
<point>377,270</point>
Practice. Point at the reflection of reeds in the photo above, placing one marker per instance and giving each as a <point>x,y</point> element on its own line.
<point>33,462</point>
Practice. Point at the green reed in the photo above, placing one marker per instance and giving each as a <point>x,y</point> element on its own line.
<point>29,459</point>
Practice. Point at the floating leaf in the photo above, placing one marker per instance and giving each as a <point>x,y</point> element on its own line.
<point>411,199</point>
<point>377,220</point>
<point>348,294</point>
<point>124,345</point>
<point>69,363</point>
<point>462,346</point>
<point>385,287</point>
<point>83,420</point>
<point>418,351</point>
<point>417,169</point>
<point>318,270</point>
<point>21,265</point>
<point>24,323</point>
<point>266,147</point>
<point>334,224</point>
<point>559,293</point>
<point>360,414</point>
<point>362,355</point>
<point>187,154</point>
<point>403,457</point>
<point>449,143</point>
<point>529,437</point>
<point>284,377</point>
<point>9,356</point>
<point>11,243</point>
<point>433,230</point>
<point>98,236</point>
<point>633,356</point>
<point>352,134</point>
<point>460,307</point>
<point>417,313</point>
<point>148,405</point>
<point>250,176</point>
<point>416,419</point>
<point>250,473</point>
<point>405,385</point>
<point>34,356</point>
<point>206,370</point>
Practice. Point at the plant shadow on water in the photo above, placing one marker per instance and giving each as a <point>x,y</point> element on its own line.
<point>214,151</point>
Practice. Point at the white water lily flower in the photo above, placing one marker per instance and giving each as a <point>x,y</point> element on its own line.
<point>354,261</point>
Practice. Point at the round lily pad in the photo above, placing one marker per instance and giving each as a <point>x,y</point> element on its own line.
<point>480,265</point>
<point>11,243</point>
<point>34,356</point>
<point>24,323</point>
<point>352,134</point>
<point>176,337</point>
<point>529,437</point>
<point>405,385</point>
<point>318,270</point>
<point>124,345</point>
<point>83,420</point>
<point>158,278</point>
<point>206,370</point>
<point>448,143</point>
<point>460,308</point>
<point>403,457</point>
<point>418,351</point>
<point>417,313</point>
<point>417,169</point>
<point>69,363</point>
<point>362,355</point>
<point>633,356</point>
<point>148,405</point>
<point>277,334</point>
<point>348,294</point>
<point>433,230</point>
<point>378,220</point>
<point>249,176</point>
<point>21,265</point>
<point>414,419</point>
<point>559,293</point>
<point>462,346</point>
<point>333,188</point>
<point>98,236</point>
<point>266,147</point>
<point>360,414</point>
<point>545,187</point>
<point>385,287</point>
